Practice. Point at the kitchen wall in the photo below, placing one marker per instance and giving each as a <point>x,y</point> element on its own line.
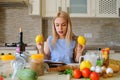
<point>101,30</point>
<point>12,18</point>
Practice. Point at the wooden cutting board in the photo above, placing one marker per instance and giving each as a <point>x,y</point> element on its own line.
<point>54,76</point>
<point>57,76</point>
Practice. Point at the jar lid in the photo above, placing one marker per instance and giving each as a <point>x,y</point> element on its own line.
<point>7,57</point>
<point>37,56</point>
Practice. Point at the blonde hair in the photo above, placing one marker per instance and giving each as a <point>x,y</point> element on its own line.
<point>69,33</point>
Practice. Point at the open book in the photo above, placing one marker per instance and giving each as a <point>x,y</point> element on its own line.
<point>53,63</point>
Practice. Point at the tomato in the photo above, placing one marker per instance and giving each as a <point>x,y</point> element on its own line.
<point>94,76</point>
<point>76,73</point>
<point>1,78</point>
<point>86,72</point>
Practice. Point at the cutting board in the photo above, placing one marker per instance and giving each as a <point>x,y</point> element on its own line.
<point>57,76</point>
<point>54,76</point>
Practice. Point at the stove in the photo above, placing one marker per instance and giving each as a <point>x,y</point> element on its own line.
<point>12,44</point>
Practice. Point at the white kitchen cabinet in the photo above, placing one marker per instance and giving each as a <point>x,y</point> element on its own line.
<point>79,8</point>
<point>50,8</point>
<point>35,7</point>
<point>107,8</point>
<point>76,8</point>
<point>82,8</point>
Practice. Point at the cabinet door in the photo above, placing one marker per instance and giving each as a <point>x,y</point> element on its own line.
<point>107,8</point>
<point>34,7</point>
<point>50,7</point>
<point>79,8</point>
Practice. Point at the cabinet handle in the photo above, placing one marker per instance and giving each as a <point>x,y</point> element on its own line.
<point>68,10</point>
<point>119,12</point>
<point>59,9</point>
<point>30,7</point>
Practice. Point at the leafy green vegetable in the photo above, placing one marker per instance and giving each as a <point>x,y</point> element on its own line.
<point>68,71</point>
<point>27,74</point>
<point>87,78</point>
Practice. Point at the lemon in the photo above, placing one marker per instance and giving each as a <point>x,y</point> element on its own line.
<point>81,40</point>
<point>39,38</point>
<point>85,64</point>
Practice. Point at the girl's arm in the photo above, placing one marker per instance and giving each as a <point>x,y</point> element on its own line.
<point>78,51</point>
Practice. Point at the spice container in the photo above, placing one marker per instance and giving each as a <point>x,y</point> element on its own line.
<point>6,68</point>
<point>37,63</point>
<point>105,56</point>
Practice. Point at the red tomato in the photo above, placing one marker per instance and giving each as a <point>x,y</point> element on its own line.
<point>86,72</point>
<point>76,73</point>
<point>94,76</point>
<point>1,78</point>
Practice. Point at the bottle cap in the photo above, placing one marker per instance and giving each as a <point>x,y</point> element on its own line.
<point>37,56</point>
<point>7,57</point>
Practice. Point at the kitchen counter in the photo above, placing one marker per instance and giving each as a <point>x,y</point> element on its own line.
<point>88,47</point>
<point>13,48</point>
<point>94,47</point>
<point>58,76</point>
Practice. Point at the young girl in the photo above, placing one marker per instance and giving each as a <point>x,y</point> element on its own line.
<point>62,45</point>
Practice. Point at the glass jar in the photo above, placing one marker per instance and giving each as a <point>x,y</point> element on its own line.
<point>37,63</point>
<point>105,56</point>
<point>6,69</point>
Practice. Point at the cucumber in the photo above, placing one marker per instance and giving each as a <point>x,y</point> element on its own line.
<point>27,74</point>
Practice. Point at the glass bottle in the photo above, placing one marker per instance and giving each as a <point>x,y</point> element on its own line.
<point>99,58</point>
<point>20,45</point>
<point>20,49</point>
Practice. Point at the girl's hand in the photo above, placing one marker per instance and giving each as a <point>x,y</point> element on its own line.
<point>40,47</point>
<point>80,49</point>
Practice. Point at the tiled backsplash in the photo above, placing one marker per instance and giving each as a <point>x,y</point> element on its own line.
<point>13,18</point>
<point>101,30</point>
